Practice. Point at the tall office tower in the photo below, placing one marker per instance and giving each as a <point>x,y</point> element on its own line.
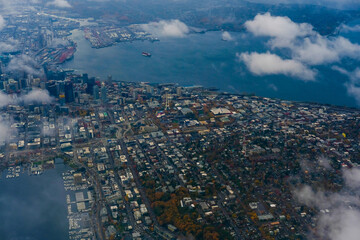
<point>96,93</point>
<point>52,88</point>
<point>23,83</point>
<point>103,93</point>
<point>60,87</point>
<point>69,92</point>
<point>178,91</point>
<point>90,84</point>
<point>85,77</point>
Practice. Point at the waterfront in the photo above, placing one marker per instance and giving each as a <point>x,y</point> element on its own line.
<point>34,206</point>
<point>204,59</point>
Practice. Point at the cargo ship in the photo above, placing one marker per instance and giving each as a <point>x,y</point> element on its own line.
<point>56,55</point>
<point>67,54</point>
<point>146,54</point>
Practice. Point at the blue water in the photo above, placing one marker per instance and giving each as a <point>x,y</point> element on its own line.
<point>204,59</point>
<point>34,207</point>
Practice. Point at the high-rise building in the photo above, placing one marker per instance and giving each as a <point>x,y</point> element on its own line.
<point>96,93</point>
<point>178,91</point>
<point>69,92</point>
<point>90,82</point>
<point>150,89</point>
<point>103,93</point>
<point>23,83</point>
<point>60,87</point>
<point>52,88</point>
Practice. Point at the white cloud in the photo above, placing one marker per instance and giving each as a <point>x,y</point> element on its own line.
<point>273,87</point>
<point>342,223</point>
<point>37,96</point>
<point>266,64</point>
<point>353,91</point>
<point>4,130</point>
<point>352,86</point>
<point>324,162</point>
<point>321,50</point>
<point>226,36</point>
<point>347,28</point>
<point>2,22</point>
<point>24,63</point>
<point>5,99</point>
<point>342,218</point>
<point>278,27</point>
<point>166,28</point>
<point>315,52</point>
<point>9,45</point>
<point>352,178</point>
<point>32,97</point>
<point>354,75</point>
<point>305,44</point>
<point>56,42</point>
<point>59,3</point>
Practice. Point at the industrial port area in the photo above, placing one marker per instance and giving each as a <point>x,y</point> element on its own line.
<point>105,37</point>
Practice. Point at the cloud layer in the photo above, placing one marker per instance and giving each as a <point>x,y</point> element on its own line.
<point>339,214</point>
<point>266,63</point>
<point>306,47</point>
<point>226,36</point>
<point>2,22</point>
<point>346,28</point>
<point>59,3</point>
<point>9,45</point>
<point>37,96</point>
<point>277,27</point>
<point>352,86</point>
<point>167,28</point>
<point>23,63</point>
<point>33,97</point>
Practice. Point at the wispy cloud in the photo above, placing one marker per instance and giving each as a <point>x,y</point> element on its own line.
<point>9,45</point>
<point>167,28</point>
<point>2,22</point>
<point>277,27</point>
<point>266,63</point>
<point>324,162</point>
<point>352,86</point>
<point>226,36</point>
<point>37,96</point>
<point>24,63</point>
<point>306,49</point>
<point>5,99</point>
<point>59,3</point>
<point>5,129</point>
<point>32,97</point>
<point>305,44</point>
<point>347,28</point>
<point>339,213</point>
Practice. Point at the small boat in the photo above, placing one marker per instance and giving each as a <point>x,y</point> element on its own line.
<point>146,54</point>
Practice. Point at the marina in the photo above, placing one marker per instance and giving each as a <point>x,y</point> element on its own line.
<point>33,198</point>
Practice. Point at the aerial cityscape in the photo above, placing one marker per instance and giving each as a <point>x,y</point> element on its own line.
<point>133,119</point>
